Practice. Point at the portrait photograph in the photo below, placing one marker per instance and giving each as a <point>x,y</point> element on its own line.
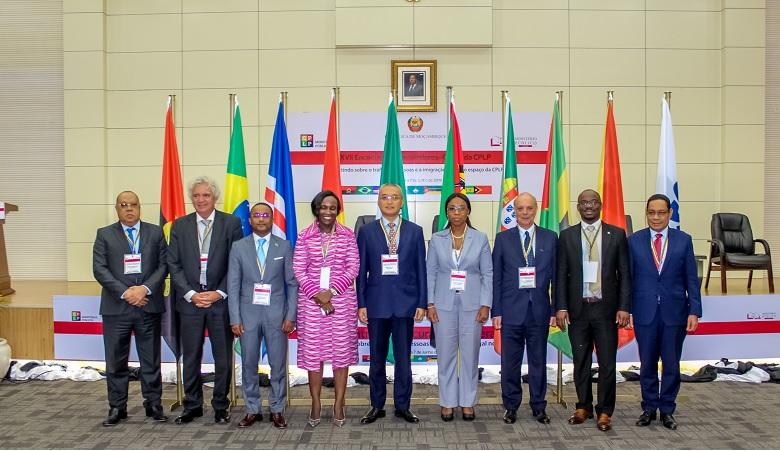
<point>414,84</point>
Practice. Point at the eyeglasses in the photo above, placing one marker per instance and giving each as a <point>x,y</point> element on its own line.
<point>388,197</point>
<point>456,208</point>
<point>589,203</point>
<point>261,215</point>
<point>128,205</point>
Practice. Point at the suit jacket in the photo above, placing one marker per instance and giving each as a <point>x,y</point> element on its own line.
<point>243,273</point>
<point>184,257</point>
<point>417,90</point>
<point>474,259</point>
<point>615,270</point>
<point>392,296</point>
<point>676,289</point>
<point>509,301</point>
<point>109,270</point>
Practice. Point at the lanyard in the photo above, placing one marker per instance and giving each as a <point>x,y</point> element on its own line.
<point>588,240</point>
<point>133,244</point>
<point>527,251</point>
<point>392,243</point>
<point>455,250</point>
<point>206,233</point>
<point>261,266</point>
<point>659,259</point>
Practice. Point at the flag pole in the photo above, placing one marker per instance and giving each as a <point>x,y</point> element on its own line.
<point>337,96</point>
<point>179,383</point>
<point>449,102</point>
<point>559,373</point>
<point>283,96</point>
<point>668,97</point>
<point>233,392</point>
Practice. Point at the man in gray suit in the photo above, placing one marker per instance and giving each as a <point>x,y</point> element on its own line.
<point>128,261</point>
<point>263,300</point>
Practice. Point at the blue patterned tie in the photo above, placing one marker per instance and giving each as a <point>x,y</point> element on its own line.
<point>132,240</point>
<point>527,245</point>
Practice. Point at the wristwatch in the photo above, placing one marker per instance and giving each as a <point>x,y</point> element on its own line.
<point>334,292</point>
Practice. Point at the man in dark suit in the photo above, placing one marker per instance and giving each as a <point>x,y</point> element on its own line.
<point>129,262</point>
<point>523,273</point>
<point>666,305</point>
<point>392,295</point>
<point>593,292</point>
<point>198,261</point>
<point>414,87</point>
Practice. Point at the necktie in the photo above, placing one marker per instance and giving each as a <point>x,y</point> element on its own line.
<point>657,246</point>
<point>593,255</point>
<point>392,242</point>
<point>527,245</point>
<point>261,251</point>
<point>204,246</point>
<point>132,240</point>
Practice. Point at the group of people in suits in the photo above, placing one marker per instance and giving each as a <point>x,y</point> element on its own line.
<point>591,280</point>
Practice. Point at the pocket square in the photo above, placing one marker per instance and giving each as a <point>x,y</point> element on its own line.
<point>278,258</point>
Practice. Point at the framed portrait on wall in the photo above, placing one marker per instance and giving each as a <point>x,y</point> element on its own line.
<point>414,83</point>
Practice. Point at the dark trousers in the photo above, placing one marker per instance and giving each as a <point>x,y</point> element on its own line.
<point>595,324</point>
<point>117,331</point>
<point>513,341</point>
<point>658,340</point>
<point>215,319</point>
<point>379,332</point>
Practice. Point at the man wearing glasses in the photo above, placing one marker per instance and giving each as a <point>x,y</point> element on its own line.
<point>263,300</point>
<point>392,295</point>
<point>592,299</point>
<point>128,261</point>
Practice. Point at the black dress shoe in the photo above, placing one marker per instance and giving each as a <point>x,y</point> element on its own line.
<point>541,416</point>
<point>510,416</point>
<point>469,416</point>
<point>646,418</point>
<point>114,416</point>
<point>407,415</point>
<point>188,415</point>
<point>447,417</point>
<point>221,416</point>
<point>372,415</point>
<point>156,414</point>
<point>668,421</point>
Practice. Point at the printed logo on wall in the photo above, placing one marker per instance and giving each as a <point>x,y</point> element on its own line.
<point>75,315</point>
<point>307,140</point>
<point>415,124</point>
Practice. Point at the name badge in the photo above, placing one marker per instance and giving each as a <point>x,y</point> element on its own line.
<point>457,280</point>
<point>527,276</point>
<point>325,278</point>
<point>389,264</point>
<point>132,263</point>
<point>204,263</point>
<point>590,272</point>
<point>262,294</point>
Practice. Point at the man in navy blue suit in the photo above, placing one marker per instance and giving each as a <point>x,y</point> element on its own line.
<point>666,306</point>
<point>392,295</point>
<point>523,272</point>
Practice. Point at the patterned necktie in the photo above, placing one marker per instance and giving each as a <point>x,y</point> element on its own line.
<point>204,245</point>
<point>261,251</point>
<point>593,255</point>
<point>392,244</point>
<point>132,240</point>
<point>527,245</point>
<point>657,246</point>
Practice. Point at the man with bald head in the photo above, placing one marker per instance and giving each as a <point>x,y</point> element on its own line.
<point>523,273</point>
<point>129,262</point>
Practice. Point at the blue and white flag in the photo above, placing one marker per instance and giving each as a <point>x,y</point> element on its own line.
<point>666,180</point>
<point>279,188</point>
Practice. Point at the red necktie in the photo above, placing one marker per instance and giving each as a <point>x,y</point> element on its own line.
<point>657,247</point>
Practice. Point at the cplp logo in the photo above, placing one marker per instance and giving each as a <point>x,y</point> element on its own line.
<point>307,140</point>
<point>75,315</point>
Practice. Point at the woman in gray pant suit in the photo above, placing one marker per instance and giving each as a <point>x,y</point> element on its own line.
<point>460,293</point>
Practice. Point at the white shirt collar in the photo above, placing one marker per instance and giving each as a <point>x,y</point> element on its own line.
<point>210,218</point>
<point>530,230</point>
<point>267,237</point>
<point>136,226</point>
<point>596,224</point>
<point>664,233</point>
<point>386,221</point>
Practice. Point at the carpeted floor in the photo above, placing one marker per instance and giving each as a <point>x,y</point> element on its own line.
<point>65,414</point>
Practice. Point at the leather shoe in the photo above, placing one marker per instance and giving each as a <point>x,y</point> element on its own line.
<point>668,421</point>
<point>542,417</point>
<point>510,416</point>
<point>221,416</point>
<point>446,417</point>
<point>468,416</point>
<point>114,416</point>
<point>156,414</point>
<point>605,423</point>
<point>646,418</point>
<point>407,415</point>
<point>277,418</point>
<point>372,415</point>
<point>250,419</point>
<point>188,415</point>
<point>580,416</point>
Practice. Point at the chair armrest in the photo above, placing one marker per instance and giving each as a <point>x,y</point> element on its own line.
<point>719,244</point>
<point>765,244</point>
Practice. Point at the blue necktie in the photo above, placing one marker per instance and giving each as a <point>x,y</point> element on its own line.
<point>261,251</point>
<point>132,240</point>
<point>527,245</point>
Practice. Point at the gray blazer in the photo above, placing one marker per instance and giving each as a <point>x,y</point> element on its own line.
<point>475,259</point>
<point>243,273</point>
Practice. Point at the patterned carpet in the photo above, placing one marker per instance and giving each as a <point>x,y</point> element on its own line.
<point>65,414</point>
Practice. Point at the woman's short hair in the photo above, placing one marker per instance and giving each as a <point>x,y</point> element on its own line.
<point>316,203</point>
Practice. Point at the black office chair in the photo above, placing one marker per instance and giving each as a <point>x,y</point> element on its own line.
<point>363,220</point>
<point>732,248</point>
<point>629,225</point>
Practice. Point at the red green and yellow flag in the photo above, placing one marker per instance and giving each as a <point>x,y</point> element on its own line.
<point>454,179</point>
<point>331,170</point>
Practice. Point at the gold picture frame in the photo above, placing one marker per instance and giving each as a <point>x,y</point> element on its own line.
<point>414,84</point>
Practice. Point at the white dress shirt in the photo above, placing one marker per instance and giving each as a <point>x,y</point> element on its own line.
<point>586,293</point>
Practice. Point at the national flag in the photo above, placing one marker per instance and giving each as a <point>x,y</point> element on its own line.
<point>331,170</point>
<point>506,215</point>
<point>392,163</point>
<point>279,188</point>
<point>236,183</point>
<point>666,180</point>
<point>454,179</point>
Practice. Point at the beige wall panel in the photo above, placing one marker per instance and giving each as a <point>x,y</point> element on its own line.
<point>354,209</point>
<point>297,5</point>
<point>82,31</point>
<point>630,174</point>
<point>299,100</point>
<point>462,3</point>
<point>423,213</point>
<point>80,262</point>
<point>743,105</point>
<point>136,146</point>
<point>300,29</point>
<point>531,28</point>
<point>690,106</point>
<point>743,143</point>
<point>143,6</point>
<point>582,176</point>
<point>374,26</point>
<point>317,68</point>
<point>483,217</point>
<point>84,146</point>
<point>607,5</point>
<point>743,182</point>
<point>143,33</point>
<point>696,218</point>
<point>83,70</point>
<point>146,70</point>
<point>606,67</point>
<point>459,67</point>
<point>84,220</point>
<point>138,109</point>
<point>607,29</point>
<point>683,29</point>
<point>588,105</point>
<point>697,68</point>
<point>694,144</point>
<point>467,98</point>
<point>755,212</point>
<point>700,182</point>
<point>530,98</point>
<point>82,6</point>
<point>588,141</point>
<point>229,69</point>
<point>744,28</point>
<point>220,31</point>
<point>530,4</point>
<point>687,5</point>
<point>453,25</point>
<point>253,172</point>
<point>210,145</point>
<point>143,180</point>
<point>637,212</point>
<point>85,185</point>
<point>744,3</point>
<point>367,67</point>
<point>211,107</point>
<point>744,66</point>
<point>264,140</point>
<point>208,6</point>
<point>83,108</point>
<point>531,67</point>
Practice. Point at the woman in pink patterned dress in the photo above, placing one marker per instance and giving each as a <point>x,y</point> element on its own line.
<point>326,263</point>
